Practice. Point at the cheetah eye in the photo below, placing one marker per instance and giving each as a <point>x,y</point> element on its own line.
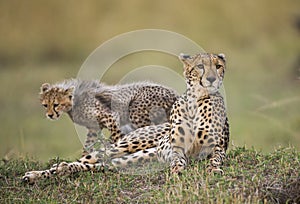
<point>55,105</point>
<point>218,66</point>
<point>194,73</point>
<point>200,66</point>
<point>45,105</point>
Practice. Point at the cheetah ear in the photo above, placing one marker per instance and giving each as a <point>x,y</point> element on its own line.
<point>45,87</point>
<point>222,56</point>
<point>185,59</point>
<point>69,91</point>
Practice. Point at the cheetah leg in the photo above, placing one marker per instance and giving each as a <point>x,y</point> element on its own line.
<point>104,158</point>
<point>216,160</point>
<point>110,122</point>
<point>164,150</point>
<point>91,162</point>
<point>179,159</point>
<point>61,169</point>
<point>138,158</point>
<point>91,139</point>
<point>180,143</point>
<point>87,163</point>
<point>140,139</point>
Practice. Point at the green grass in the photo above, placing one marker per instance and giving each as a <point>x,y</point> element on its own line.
<point>250,177</point>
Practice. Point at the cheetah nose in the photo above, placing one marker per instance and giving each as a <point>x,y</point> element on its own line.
<point>50,116</point>
<point>211,79</point>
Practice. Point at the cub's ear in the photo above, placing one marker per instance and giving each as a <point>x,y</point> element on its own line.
<point>185,59</point>
<point>69,91</point>
<point>222,56</point>
<point>45,87</point>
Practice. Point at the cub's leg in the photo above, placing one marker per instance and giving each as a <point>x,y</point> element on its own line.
<point>109,121</point>
<point>90,141</point>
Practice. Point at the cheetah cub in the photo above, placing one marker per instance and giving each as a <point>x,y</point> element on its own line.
<point>120,108</point>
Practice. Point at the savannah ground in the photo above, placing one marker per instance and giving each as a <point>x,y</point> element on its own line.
<point>250,177</point>
<point>48,42</point>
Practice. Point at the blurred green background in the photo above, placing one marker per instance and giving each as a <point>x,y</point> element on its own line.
<point>47,41</point>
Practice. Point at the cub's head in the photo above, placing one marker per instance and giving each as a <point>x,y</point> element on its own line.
<point>56,100</point>
<point>206,70</point>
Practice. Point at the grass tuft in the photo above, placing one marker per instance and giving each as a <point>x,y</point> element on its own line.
<point>250,177</point>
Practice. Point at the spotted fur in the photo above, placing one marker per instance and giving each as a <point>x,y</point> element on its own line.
<point>198,128</point>
<point>120,108</point>
<point>199,125</point>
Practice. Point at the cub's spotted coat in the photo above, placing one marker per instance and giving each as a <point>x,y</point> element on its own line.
<point>120,108</point>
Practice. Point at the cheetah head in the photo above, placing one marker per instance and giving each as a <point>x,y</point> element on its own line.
<point>56,100</point>
<point>204,70</point>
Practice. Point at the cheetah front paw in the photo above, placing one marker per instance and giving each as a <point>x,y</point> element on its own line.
<point>176,167</point>
<point>31,176</point>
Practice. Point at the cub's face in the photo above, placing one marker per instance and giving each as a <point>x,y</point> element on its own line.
<point>56,100</point>
<point>206,70</point>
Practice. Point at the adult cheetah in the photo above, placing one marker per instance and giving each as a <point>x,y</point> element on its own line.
<point>199,124</point>
<point>198,128</point>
